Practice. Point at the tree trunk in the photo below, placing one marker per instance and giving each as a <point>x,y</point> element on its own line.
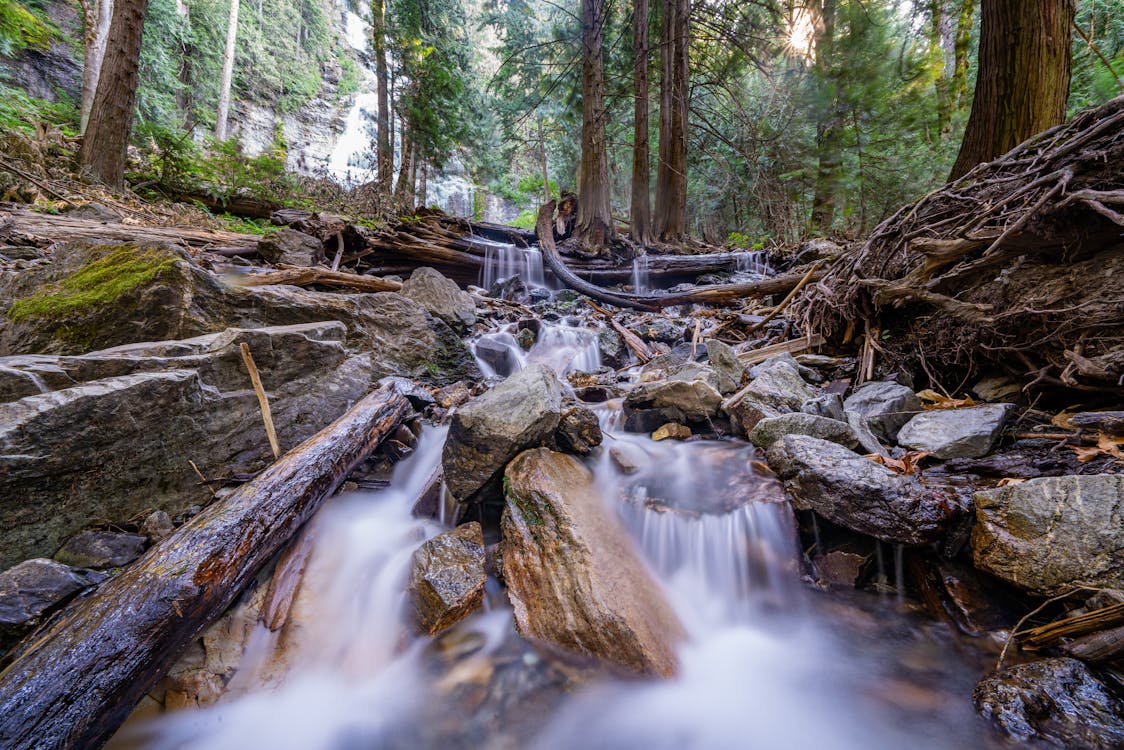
<point>97,15</point>
<point>1023,79</point>
<point>671,175</point>
<point>111,114</point>
<point>640,215</point>
<point>594,225</point>
<point>423,182</point>
<point>227,71</point>
<point>963,41</point>
<point>942,84</point>
<point>77,679</point>
<point>385,150</point>
<point>542,156</point>
<point>829,125</point>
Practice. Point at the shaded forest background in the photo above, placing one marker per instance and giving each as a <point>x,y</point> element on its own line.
<point>796,127</point>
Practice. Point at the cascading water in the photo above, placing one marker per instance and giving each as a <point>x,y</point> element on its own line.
<point>754,262</point>
<point>641,281</point>
<point>562,347</point>
<point>503,261</point>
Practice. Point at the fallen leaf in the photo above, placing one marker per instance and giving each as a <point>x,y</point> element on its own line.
<point>1106,446</point>
<point>1005,481</point>
<point>934,400</point>
<point>907,464</point>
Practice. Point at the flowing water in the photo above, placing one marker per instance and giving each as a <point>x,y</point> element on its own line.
<point>753,263</point>
<point>767,665</point>
<point>503,261</point>
<point>564,347</point>
<point>641,279</point>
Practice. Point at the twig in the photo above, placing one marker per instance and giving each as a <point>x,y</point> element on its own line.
<point>784,303</point>
<point>1015,630</point>
<point>263,401</point>
<point>339,253</point>
<point>202,478</point>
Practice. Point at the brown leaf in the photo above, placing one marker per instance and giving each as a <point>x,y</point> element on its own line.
<point>907,464</point>
<point>1106,446</point>
<point>934,400</point>
<point>1005,481</point>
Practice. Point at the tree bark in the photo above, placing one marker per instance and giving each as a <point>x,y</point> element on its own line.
<point>640,215</point>
<point>542,156</point>
<point>829,124</point>
<point>111,115</point>
<point>671,174</point>
<point>97,16</point>
<point>227,71</point>
<point>1023,80</point>
<point>942,84</point>
<point>960,53</point>
<point>75,681</point>
<point>595,224</point>
<point>385,151</point>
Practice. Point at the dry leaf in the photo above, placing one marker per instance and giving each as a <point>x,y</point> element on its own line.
<point>1061,419</point>
<point>934,400</point>
<point>1106,446</point>
<point>1005,481</point>
<point>907,464</point>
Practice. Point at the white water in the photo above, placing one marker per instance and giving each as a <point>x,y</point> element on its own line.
<point>562,347</point>
<point>641,281</point>
<point>755,262</point>
<point>503,261</point>
<point>35,378</point>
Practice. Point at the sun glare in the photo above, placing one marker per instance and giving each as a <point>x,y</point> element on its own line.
<point>802,33</point>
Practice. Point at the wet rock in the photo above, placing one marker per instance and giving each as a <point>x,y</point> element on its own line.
<point>572,574</point>
<point>525,338</point>
<point>996,388</point>
<point>829,405</point>
<point>1108,422</point>
<point>521,412</point>
<point>29,590</point>
<point>157,527</point>
<point>678,400</point>
<point>769,431</point>
<point>887,407</point>
<point>956,433</point>
<point>1056,702</point>
<point>512,289</point>
<point>496,355</point>
<point>418,395</point>
<point>807,373</point>
<point>22,252</point>
<point>1048,534</point>
<point>840,567</point>
<point>672,430</point>
<point>101,549</point>
<point>660,329</point>
<point>627,458</point>
<point>728,369</point>
<point>290,247</point>
<point>578,431</point>
<point>642,420</point>
<point>855,492</point>
<point>447,578</point>
<point>777,389</point>
<point>614,353</point>
<point>441,297</point>
<point>866,438</point>
<point>973,599</point>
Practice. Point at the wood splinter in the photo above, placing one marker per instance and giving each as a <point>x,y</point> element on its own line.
<point>263,400</point>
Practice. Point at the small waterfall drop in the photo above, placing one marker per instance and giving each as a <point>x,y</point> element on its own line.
<point>755,262</point>
<point>562,347</point>
<point>503,261</point>
<point>641,278</point>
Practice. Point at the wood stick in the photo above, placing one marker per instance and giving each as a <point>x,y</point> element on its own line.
<point>753,356</point>
<point>72,683</point>
<point>635,344</point>
<point>306,276</point>
<point>1106,645</point>
<point>339,253</point>
<point>1048,635</point>
<point>784,303</point>
<point>263,400</point>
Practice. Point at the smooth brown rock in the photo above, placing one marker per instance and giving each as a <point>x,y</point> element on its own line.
<point>573,575</point>
<point>447,580</point>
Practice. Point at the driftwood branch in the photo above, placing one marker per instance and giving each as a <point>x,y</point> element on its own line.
<point>306,276</point>
<point>71,684</point>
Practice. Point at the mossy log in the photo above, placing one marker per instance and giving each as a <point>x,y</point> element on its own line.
<point>71,684</point>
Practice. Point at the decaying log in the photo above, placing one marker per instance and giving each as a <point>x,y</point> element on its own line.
<point>1106,645</point>
<point>726,294</point>
<point>19,226</point>
<point>1052,633</point>
<point>71,684</point>
<point>753,356</point>
<point>306,276</point>
<point>554,261</point>
<point>238,205</point>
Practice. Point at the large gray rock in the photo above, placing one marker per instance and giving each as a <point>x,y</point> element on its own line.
<point>769,431</point>
<point>777,389</point>
<point>487,432</point>
<point>1055,702</point>
<point>579,431</point>
<point>447,578</point>
<point>101,549</point>
<point>855,492</point>
<point>116,444</point>
<point>727,367</point>
<point>442,297</point>
<point>956,433</point>
<point>887,407</point>
<point>290,247</point>
<point>573,575</point>
<point>679,399</point>
<point>31,589</point>
<point>1049,534</point>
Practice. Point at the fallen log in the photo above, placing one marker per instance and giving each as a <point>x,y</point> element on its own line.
<point>237,205</point>
<point>72,684</point>
<point>19,226</point>
<point>1052,633</point>
<point>306,276</point>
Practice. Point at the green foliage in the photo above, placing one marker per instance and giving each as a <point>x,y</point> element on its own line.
<point>96,284</point>
<point>245,226</point>
<point>527,219</point>
<point>349,79</point>
<point>19,113</point>
<point>21,28</point>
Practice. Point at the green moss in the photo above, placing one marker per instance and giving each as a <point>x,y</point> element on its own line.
<point>525,506</point>
<point>96,284</point>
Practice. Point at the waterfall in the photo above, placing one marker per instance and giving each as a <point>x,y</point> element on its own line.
<point>641,283</point>
<point>502,261</point>
<point>754,262</point>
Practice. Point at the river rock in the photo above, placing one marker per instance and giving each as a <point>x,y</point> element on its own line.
<point>614,353</point>
<point>447,578</point>
<point>679,400</point>
<point>769,431</point>
<point>829,405</point>
<point>777,389</point>
<point>496,355</point>
<point>116,442</point>
<point>290,247</point>
<point>30,589</point>
<point>1049,534</point>
<point>442,297</point>
<point>157,527</point>
<point>956,433</point>
<point>855,492</point>
<point>101,549</point>
<point>1055,702</point>
<point>579,431</point>
<point>573,576</point>
<point>521,412</point>
<point>887,407</point>
<point>728,369</point>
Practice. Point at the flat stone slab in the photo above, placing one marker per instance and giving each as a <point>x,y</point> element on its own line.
<point>956,433</point>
